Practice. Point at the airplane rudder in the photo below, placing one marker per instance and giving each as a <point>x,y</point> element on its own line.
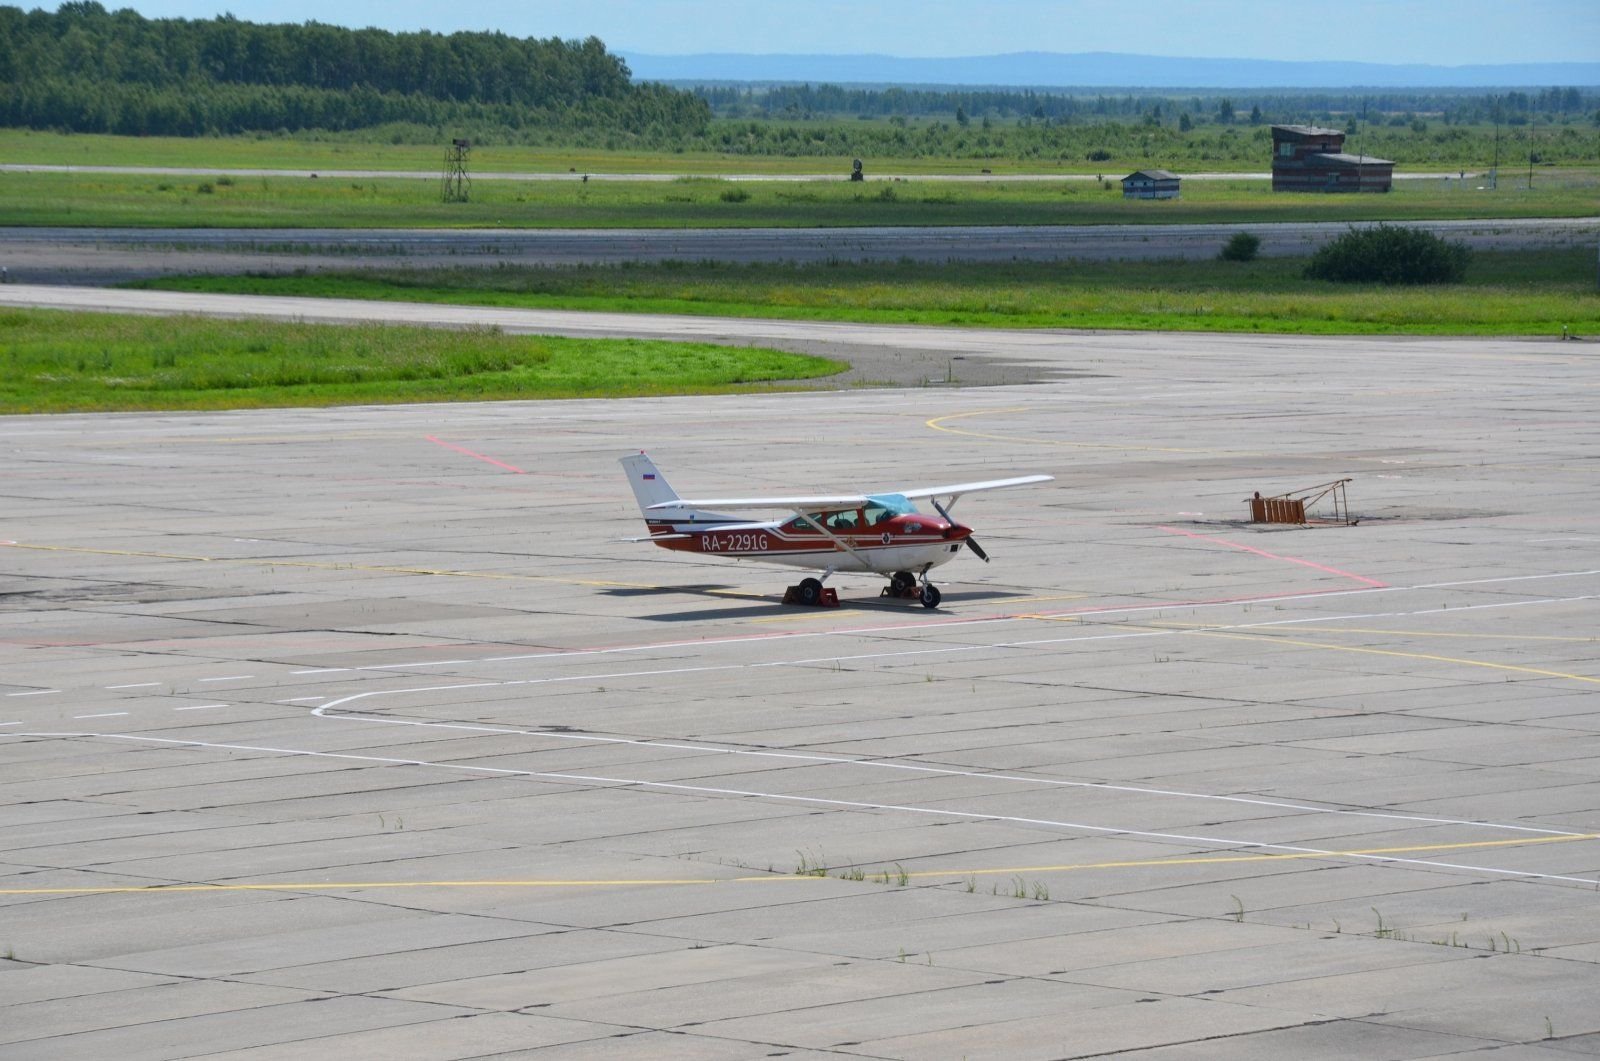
<point>650,487</point>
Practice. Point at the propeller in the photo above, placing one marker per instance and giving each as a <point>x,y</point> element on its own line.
<point>972,543</point>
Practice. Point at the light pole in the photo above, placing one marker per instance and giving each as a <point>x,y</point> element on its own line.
<point>1494,171</point>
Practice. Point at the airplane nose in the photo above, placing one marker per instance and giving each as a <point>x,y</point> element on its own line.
<point>956,532</point>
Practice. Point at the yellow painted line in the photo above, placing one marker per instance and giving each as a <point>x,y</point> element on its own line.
<point>1177,625</point>
<point>893,872</point>
<point>347,885</point>
<point>322,565</point>
<point>1274,639</point>
<point>737,594</point>
<point>1040,600</point>
<point>811,617</point>
<point>1201,860</point>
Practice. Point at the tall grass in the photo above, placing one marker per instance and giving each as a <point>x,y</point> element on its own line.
<point>56,362</point>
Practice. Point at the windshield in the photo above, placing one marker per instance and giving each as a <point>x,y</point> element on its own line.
<point>881,507</point>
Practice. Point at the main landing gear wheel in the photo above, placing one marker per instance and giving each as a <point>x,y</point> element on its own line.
<point>902,583</point>
<point>930,595</point>
<point>811,593</point>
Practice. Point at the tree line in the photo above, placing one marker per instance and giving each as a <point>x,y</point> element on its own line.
<point>84,69</point>
<point>800,102</point>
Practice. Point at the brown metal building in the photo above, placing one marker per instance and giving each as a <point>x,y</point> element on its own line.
<point>1308,159</point>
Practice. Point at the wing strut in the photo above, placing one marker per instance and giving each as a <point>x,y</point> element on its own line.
<point>834,538</point>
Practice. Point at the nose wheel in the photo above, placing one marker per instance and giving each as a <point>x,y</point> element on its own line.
<point>903,584</point>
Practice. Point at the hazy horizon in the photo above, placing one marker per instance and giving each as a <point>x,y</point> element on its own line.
<point>1406,32</point>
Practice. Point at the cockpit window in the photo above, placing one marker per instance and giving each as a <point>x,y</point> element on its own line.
<point>848,520</point>
<point>880,508</point>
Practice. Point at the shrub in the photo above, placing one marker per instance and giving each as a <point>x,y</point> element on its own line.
<point>1241,248</point>
<point>1386,254</point>
<point>734,195</point>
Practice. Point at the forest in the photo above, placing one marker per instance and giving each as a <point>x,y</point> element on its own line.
<point>1512,107</point>
<point>84,69</point>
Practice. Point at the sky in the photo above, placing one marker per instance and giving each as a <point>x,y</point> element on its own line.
<point>1437,32</point>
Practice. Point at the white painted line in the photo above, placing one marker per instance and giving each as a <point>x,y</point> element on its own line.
<point>302,700</point>
<point>322,670</point>
<point>136,685</point>
<point>1509,578</point>
<point>843,804</point>
<point>36,692</point>
<point>230,678</point>
<point>1459,609</point>
<point>199,707</point>
<point>10,723</point>
<point>899,654</point>
<point>107,714</point>
<point>919,768</point>
<point>896,654</point>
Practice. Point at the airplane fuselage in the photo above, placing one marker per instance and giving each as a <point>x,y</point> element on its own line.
<point>912,542</point>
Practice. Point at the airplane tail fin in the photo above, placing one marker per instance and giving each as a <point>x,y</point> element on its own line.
<point>650,488</point>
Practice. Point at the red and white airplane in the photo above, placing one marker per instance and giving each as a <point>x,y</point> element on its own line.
<point>879,533</point>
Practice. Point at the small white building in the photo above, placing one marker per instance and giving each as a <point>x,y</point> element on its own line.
<point>1150,184</point>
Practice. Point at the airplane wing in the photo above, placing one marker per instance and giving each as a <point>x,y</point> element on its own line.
<point>972,488</point>
<point>824,504</point>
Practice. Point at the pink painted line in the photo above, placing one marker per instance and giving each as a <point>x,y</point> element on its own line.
<point>478,456</point>
<point>1274,556</point>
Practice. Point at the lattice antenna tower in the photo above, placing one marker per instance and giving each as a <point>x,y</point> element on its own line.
<point>457,182</point>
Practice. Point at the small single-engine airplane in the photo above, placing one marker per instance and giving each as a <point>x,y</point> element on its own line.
<point>879,533</point>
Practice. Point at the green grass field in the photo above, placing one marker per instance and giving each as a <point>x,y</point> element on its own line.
<point>66,362</point>
<point>1529,293</point>
<point>219,201</point>
<point>236,200</point>
<point>821,146</point>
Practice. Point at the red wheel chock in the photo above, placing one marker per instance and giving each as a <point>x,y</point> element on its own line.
<point>828,599</point>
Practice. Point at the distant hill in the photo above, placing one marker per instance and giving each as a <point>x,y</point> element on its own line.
<point>1098,70</point>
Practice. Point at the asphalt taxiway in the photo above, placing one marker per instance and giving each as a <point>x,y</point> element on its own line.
<point>360,732</point>
<point>113,255</point>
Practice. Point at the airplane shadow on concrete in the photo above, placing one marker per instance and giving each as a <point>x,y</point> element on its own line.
<point>767,605</point>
